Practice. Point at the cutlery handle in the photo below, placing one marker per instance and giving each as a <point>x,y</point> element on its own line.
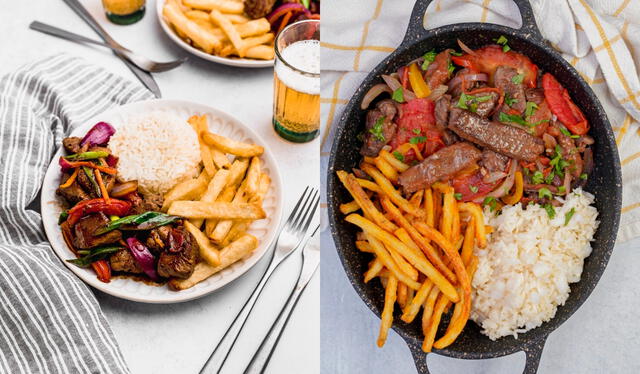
<point>52,30</point>
<point>261,358</point>
<point>88,18</point>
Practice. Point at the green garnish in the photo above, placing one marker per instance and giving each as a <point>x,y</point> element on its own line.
<point>549,178</point>
<point>551,212</point>
<point>457,195</point>
<point>558,162</point>
<point>503,42</point>
<point>464,99</point>
<point>482,99</point>
<point>418,139</point>
<point>537,177</point>
<point>544,192</point>
<point>504,117</point>
<point>530,108</point>
<point>561,190</point>
<point>583,176</point>
<point>94,255</point>
<point>89,172</point>
<point>568,215</point>
<point>399,156</point>
<point>451,68</point>
<point>144,221</point>
<point>398,95</point>
<point>473,107</point>
<point>491,201</point>
<point>473,188</point>
<point>509,100</point>
<point>518,79</point>
<point>376,130</point>
<point>565,131</point>
<point>416,131</point>
<point>455,53</point>
<point>86,156</point>
<point>574,136</point>
<point>428,58</point>
<point>506,48</point>
<point>62,217</point>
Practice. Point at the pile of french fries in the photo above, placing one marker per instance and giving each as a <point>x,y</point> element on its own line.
<point>221,203</point>
<point>422,246</point>
<point>220,27</point>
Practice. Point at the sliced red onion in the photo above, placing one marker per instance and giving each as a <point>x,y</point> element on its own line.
<point>549,141</point>
<point>465,48</point>
<point>279,11</point>
<point>64,164</point>
<point>99,134</point>
<point>473,77</point>
<point>567,183</point>
<point>374,92</point>
<point>144,257</point>
<point>437,92</point>
<point>394,84</point>
<point>494,176</point>
<point>506,185</point>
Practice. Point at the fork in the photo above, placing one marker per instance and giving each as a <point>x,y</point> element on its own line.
<point>138,60</point>
<point>310,261</point>
<point>289,239</point>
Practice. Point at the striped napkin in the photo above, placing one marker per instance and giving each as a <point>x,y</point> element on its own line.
<point>600,38</point>
<point>50,322</point>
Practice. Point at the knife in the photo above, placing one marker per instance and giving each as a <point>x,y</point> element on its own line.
<point>144,77</point>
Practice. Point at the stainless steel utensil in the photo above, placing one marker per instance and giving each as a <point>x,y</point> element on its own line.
<point>138,60</point>
<point>143,76</point>
<point>289,239</point>
<point>310,262</point>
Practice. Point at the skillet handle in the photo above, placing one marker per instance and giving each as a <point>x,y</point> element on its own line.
<point>419,357</point>
<point>416,30</point>
<point>533,352</point>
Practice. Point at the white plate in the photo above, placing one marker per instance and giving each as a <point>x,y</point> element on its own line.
<point>240,62</point>
<point>129,289</point>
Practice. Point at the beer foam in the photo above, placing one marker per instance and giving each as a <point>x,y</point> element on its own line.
<point>303,55</point>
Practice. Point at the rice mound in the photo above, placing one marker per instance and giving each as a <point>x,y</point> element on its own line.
<point>158,150</point>
<point>525,270</point>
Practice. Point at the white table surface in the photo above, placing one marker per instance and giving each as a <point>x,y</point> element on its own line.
<point>178,338</point>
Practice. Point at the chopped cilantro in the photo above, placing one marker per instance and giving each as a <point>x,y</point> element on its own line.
<point>416,131</point>
<point>457,195</point>
<point>549,178</point>
<point>473,188</point>
<point>583,176</point>
<point>398,95</point>
<point>418,139</point>
<point>509,100</point>
<point>462,102</point>
<point>530,108</point>
<point>464,99</point>
<point>482,99</point>
<point>428,58</point>
<point>451,68</point>
<point>544,192</point>
<point>568,215</point>
<point>537,177</point>
<point>376,130</point>
<point>551,212</point>
<point>399,156</point>
<point>455,53</point>
<point>565,131</point>
<point>558,162</point>
<point>539,122</point>
<point>504,117</point>
<point>502,40</point>
<point>518,79</point>
<point>491,201</point>
<point>506,48</point>
<point>561,190</point>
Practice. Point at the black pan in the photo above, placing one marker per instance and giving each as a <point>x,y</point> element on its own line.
<point>605,181</point>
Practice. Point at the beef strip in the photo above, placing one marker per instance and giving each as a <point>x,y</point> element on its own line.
<point>124,261</point>
<point>493,161</point>
<point>507,140</point>
<point>180,259</point>
<point>535,95</point>
<point>482,108</point>
<point>503,78</point>
<point>72,144</point>
<point>153,201</point>
<point>387,110</point>
<point>157,238</point>
<point>438,71</point>
<point>442,165</point>
<point>258,8</point>
<point>84,230</point>
<point>144,204</point>
<point>74,193</point>
<point>570,152</point>
<point>86,184</point>
<point>442,118</point>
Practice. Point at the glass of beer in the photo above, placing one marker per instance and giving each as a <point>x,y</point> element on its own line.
<point>124,12</point>
<point>296,87</point>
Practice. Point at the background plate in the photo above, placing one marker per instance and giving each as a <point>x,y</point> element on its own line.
<point>219,122</point>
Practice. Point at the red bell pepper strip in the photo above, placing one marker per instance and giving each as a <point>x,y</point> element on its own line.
<point>487,59</point>
<point>563,107</point>
<point>103,270</point>
<point>114,207</point>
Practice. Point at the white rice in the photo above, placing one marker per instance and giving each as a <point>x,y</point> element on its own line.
<point>158,150</point>
<point>524,272</point>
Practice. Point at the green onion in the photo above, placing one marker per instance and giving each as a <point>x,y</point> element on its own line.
<point>561,189</point>
<point>544,192</point>
<point>565,131</point>
<point>96,254</point>
<point>144,221</point>
<point>503,42</point>
<point>418,139</point>
<point>87,156</point>
<point>530,108</point>
<point>509,100</point>
<point>451,68</point>
<point>491,201</point>
<point>398,95</point>
<point>551,212</point>
<point>376,130</point>
<point>504,117</point>
<point>568,215</point>
<point>584,176</point>
<point>428,58</point>
<point>517,79</point>
<point>399,156</point>
<point>89,172</point>
<point>457,195</point>
<point>63,217</point>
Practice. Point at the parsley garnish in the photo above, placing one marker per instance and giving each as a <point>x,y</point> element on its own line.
<point>561,189</point>
<point>537,177</point>
<point>574,136</point>
<point>503,42</point>
<point>530,108</point>
<point>509,100</point>
<point>558,162</point>
<point>416,131</point>
<point>568,215</point>
<point>428,58</point>
<point>418,139</point>
<point>544,192</point>
<point>565,131</point>
<point>550,211</point>
<point>464,99</point>
<point>399,156</point>
<point>482,99</point>
<point>473,188</point>
<point>457,195</point>
<point>398,95</point>
<point>491,201</point>
<point>549,178</point>
<point>473,107</point>
<point>584,176</point>
<point>504,117</point>
<point>376,130</point>
<point>451,67</point>
<point>518,79</point>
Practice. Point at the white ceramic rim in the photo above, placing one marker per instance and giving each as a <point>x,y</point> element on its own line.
<point>51,210</point>
<point>237,62</point>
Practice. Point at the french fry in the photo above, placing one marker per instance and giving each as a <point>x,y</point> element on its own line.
<point>476,212</point>
<point>387,261</point>
<point>231,146</point>
<point>224,6</point>
<point>437,207</point>
<point>402,263</point>
<point>263,188</point>
<point>427,201</point>
<point>447,214</point>
<point>198,15</point>
<point>369,185</point>
<point>238,229</point>
<point>230,31</point>
<point>217,210</point>
<point>416,259</point>
<point>228,255</point>
<point>442,187</point>
<point>255,41</point>
<point>411,311</point>
<point>416,199</point>
<point>199,124</point>
<point>455,224</point>
<point>261,52</point>
<point>208,252</point>
<point>254,27</point>
<point>350,183</point>
<point>436,316</point>
<point>186,190</point>
<point>216,185</point>
<point>467,246</point>
<point>387,311</point>
<point>350,207</point>
<point>427,311</point>
<point>393,161</point>
<point>192,30</point>
<point>238,170</point>
<point>225,196</point>
<point>252,178</point>
<point>219,158</point>
<point>402,295</point>
<point>388,189</point>
<point>223,227</point>
<point>404,237</point>
<point>374,269</point>
<point>238,19</point>
<point>364,246</point>
<point>387,170</point>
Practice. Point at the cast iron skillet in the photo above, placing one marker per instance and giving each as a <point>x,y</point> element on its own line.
<point>604,182</point>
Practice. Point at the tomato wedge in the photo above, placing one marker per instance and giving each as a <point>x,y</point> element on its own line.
<point>470,186</point>
<point>562,106</point>
<point>418,122</point>
<point>487,59</point>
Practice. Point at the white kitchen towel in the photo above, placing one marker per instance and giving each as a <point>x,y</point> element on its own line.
<point>600,38</point>
<point>50,322</point>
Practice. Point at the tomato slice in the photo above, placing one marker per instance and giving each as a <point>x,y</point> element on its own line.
<point>487,59</point>
<point>417,121</point>
<point>464,183</point>
<point>563,107</point>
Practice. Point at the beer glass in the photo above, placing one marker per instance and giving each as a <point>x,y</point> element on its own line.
<point>124,12</point>
<point>296,87</point>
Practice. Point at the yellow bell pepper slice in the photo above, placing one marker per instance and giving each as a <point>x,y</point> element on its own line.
<point>418,85</point>
<point>517,193</point>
